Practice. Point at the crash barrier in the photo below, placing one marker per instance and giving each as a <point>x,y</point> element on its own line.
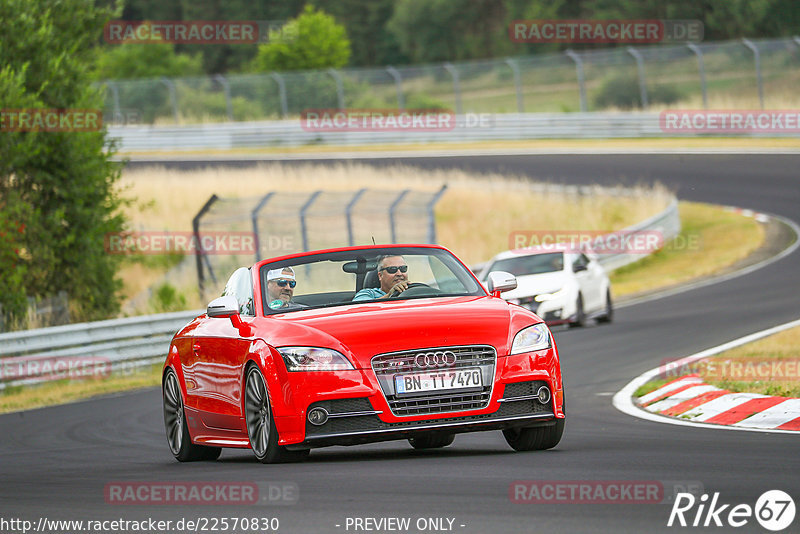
<point>744,73</point>
<point>124,345</point>
<point>98,348</point>
<point>468,128</point>
<point>281,223</point>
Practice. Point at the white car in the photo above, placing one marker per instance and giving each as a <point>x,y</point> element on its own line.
<point>561,285</point>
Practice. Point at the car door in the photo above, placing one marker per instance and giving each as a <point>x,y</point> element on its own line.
<point>583,275</point>
<point>219,352</point>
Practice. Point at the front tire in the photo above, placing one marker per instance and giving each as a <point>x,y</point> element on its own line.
<point>260,423</point>
<point>536,438</point>
<point>580,313</point>
<point>178,438</point>
<point>609,315</point>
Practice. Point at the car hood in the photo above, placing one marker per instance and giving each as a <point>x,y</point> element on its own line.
<point>364,330</point>
<point>536,284</point>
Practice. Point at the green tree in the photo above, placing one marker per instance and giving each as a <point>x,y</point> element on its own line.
<point>450,30</point>
<point>58,187</point>
<point>365,22</point>
<point>313,40</point>
<point>139,60</point>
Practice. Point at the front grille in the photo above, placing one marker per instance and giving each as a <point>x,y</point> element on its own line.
<point>388,365</point>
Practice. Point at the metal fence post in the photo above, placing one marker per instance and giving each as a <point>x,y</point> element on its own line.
<point>173,96</point>
<point>349,214</point>
<point>392,209</point>
<point>254,217</point>
<point>517,83</point>
<point>642,80</point>
<point>757,56</point>
<point>281,93</point>
<point>456,85</point>
<point>432,215</point>
<point>226,87</point>
<point>303,228</point>
<point>581,82</point>
<point>702,68</point>
<point>339,86</point>
<point>398,82</point>
<point>198,253</point>
<point>115,97</point>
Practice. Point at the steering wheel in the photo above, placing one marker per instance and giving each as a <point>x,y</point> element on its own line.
<point>411,286</point>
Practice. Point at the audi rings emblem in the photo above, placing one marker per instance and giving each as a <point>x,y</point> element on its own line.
<point>440,358</point>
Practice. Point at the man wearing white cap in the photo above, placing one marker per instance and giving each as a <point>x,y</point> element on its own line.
<point>280,287</point>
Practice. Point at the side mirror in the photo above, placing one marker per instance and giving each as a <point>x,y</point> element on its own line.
<point>223,307</point>
<point>579,268</point>
<point>227,306</point>
<point>500,281</point>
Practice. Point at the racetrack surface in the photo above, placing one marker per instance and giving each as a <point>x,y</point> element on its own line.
<point>57,461</point>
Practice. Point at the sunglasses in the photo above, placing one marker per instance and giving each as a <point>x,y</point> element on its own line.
<point>393,269</point>
<point>282,283</point>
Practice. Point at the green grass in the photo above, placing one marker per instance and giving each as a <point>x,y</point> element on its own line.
<point>710,240</point>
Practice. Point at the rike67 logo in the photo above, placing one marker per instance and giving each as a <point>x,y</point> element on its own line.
<point>774,510</point>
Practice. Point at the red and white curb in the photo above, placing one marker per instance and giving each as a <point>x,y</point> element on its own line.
<point>688,401</point>
<point>744,212</point>
<point>692,400</point>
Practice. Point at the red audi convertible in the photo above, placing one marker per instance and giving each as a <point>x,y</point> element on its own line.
<point>357,345</point>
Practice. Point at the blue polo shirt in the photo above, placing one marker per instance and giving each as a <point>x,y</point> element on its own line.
<point>369,293</point>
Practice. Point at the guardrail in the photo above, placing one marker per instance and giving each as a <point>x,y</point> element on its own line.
<point>469,127</point>
<point>118,345</point>
<point>101,347</point>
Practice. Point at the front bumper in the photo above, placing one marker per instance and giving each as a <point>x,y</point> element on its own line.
<point>354,421</point>
<point>359,411</point>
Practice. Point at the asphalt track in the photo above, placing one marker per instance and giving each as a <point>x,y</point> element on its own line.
<point>57,461</point>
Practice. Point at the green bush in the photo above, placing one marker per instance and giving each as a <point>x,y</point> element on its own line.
<point>623,92</point>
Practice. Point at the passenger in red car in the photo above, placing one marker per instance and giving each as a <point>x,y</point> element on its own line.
<point>280,287</point>
<point>392,276</point>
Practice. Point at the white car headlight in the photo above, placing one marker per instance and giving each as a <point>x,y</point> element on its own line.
<point>550,296</point>
<point>532,338</point>
<point>314,359</point>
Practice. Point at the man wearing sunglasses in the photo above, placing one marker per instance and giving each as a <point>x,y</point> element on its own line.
<point>280,287</point>
<point>392,277</point>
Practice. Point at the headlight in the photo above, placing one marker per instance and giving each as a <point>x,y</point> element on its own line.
<point>550,296</point>
<point>535,337</point>
<point>314,359</point>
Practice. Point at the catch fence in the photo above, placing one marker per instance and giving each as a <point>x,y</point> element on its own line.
<point>741,74</point>
<point>281,223</point>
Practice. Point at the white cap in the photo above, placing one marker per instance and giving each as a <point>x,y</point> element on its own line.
<point>276,274</point>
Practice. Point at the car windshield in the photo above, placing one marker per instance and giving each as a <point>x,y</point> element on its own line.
<point>335,279</point>
<point>532,264</point>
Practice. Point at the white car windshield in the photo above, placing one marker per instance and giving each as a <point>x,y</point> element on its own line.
<point>532,264</point>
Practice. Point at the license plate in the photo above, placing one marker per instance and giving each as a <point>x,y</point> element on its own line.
<point>438,381</point>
